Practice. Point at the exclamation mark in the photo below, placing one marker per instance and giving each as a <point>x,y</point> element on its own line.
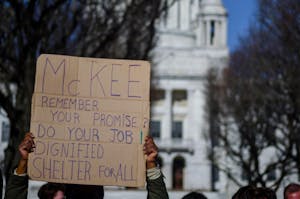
<point>141,136</point>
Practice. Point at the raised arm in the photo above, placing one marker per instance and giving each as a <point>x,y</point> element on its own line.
<point>17,186</point>
<point>25,148</point>
<point>155,183</point>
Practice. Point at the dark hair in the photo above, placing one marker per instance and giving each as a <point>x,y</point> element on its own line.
<point>291,188</point>
<point>49,190</point>
<point>194,195</point>
<point>76,191</point>
<point>251,192</point>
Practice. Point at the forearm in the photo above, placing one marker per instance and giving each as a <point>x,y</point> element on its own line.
<point>22,167</point>
<point>150,164</point>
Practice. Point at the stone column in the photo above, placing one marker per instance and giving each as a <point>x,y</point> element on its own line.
<point>217,33</point>
<point>199,32</point>
<point>168,112</point>
<point>224,31</point>
<point>190,116</point>
<point>207,33</point>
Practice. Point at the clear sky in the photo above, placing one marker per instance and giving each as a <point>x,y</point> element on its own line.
<point>240,14</point>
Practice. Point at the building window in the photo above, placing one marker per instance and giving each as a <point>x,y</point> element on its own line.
<point>165,15</point>
<point>5,131</point>
<point>178,166</point>
<point>212,32</point>
<point>179,95</point>
<point>156,95</point>
<point>177,129</point>
<point>155,129</point>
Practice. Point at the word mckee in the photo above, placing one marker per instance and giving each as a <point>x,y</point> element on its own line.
<point>96,79</point>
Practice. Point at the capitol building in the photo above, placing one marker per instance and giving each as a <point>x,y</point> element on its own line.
<point>192,40</point>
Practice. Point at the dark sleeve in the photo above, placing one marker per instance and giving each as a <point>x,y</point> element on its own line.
<point>17,187</point>
<point>157,189</point>
<point>1,184</point>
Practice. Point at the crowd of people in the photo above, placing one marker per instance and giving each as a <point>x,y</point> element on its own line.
<point>292,191</point>
<point>17,186</point>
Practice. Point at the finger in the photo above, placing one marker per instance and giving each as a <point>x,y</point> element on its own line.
<point>27,145</point>
<point>29,142</point>
<point>28,135</point>
<point>150,144</point>
<point>148,138</point>
<point>149,150</point>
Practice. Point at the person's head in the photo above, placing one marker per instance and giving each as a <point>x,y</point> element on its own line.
<point>52,191</point>
<point>292,191</point>
<point>250,192</point>
<point>76,191</point>
<point>194,195</point>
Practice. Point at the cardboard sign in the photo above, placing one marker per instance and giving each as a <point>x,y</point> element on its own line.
<point>89,118</point>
